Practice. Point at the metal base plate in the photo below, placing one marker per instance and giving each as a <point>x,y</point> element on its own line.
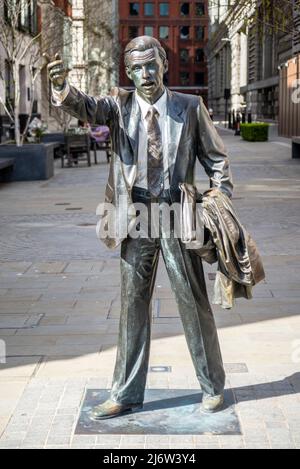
<point>165,412</point>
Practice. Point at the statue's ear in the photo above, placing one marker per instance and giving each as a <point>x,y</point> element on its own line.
<point>128,72</point>
<point>166,66</point>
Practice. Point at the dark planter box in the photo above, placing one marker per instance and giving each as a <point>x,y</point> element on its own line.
<point>53,137</point>
<point>33,162</point>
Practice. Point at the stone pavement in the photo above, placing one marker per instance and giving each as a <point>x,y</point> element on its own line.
<point>60,304</point>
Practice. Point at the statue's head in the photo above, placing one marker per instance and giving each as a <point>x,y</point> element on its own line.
<point>145,64</point>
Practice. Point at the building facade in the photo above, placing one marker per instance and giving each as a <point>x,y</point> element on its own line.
<point>249,43</point>
<point>181,27</point>
<point>95,52</point>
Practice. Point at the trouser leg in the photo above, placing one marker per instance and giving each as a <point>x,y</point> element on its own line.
<point>139,259</point>
<point>187,279</point>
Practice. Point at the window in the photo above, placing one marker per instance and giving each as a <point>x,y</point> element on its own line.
<point>134,9</point>
<point>199,56</point>
<point>9,87</point>
<point>184,55</point>
<point>34,107</point>
<point>24,15</point>
<point>184,78</point>
<point>200,33</point>
<point>133,31</point>
<point>33,17</point>
<point>164,9</point>
<point>164,32</point>
<point>148,30</point>
<point>199,78</point>
<point>200,9</point>
<point>184,32</point>
<point>23,89</point>
<point>148,9</point>
<point>185,9</point>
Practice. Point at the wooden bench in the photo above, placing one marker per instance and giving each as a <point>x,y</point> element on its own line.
<point>104,146</point>
<point>77,145</point>
<point>295,147</point>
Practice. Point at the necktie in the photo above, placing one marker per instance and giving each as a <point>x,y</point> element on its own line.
<point>155,169</point>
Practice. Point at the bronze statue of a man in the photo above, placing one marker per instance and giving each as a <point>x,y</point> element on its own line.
<point>157,135</point>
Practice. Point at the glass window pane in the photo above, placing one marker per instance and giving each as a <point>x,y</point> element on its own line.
<point>199,78</point>
<point>134,9</point>
<point>184,32</point>
<point>164,9</point>
<point>200,33</point>
<point>133,31</point>
<point>199,56</point>
<point>184,78</point>
<point>164,32</point>
<point>24,14</point>
<point>33,17</point>
<point>184,55</point>
<point>148,9</point>
<point>185,9</point>
<point>148,30</point>
<point>200,9</point>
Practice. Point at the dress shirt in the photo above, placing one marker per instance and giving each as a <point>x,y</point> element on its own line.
<point>161,106</point>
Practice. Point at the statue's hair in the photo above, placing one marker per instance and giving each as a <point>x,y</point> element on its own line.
<point>142,43</point>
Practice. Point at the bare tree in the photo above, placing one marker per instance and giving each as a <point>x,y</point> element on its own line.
<point>14,15</point>
<point>22,42</point>
<point>102,52</point>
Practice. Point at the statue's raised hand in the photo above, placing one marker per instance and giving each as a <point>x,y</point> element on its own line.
<point>57,72</point>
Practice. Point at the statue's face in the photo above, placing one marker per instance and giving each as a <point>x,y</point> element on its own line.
<point>146,69</point>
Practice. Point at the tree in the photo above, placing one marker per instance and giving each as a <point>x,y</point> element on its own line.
<point>23,42</point>
<point>277,16</point>
<point>19,40</point>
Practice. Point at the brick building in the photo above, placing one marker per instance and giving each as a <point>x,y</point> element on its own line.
<point>181,27</point>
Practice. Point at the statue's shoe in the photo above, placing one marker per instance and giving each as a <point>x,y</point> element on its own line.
<point>212,404</point>
<point>110,409</point>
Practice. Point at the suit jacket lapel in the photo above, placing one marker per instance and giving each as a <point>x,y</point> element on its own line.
<point>174,129</point>
<point>132,117</point>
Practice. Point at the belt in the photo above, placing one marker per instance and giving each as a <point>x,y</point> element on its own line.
<point>172,193</point>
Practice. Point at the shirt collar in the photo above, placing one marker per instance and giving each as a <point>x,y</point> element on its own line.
<point>160,104</point>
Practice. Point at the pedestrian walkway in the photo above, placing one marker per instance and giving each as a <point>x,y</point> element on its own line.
<point>60,306</point>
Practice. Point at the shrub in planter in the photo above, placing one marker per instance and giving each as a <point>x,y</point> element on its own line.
<point>255,132</point>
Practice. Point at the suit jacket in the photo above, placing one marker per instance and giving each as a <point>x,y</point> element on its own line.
<point>192,136</point>
<point>225,240</point>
